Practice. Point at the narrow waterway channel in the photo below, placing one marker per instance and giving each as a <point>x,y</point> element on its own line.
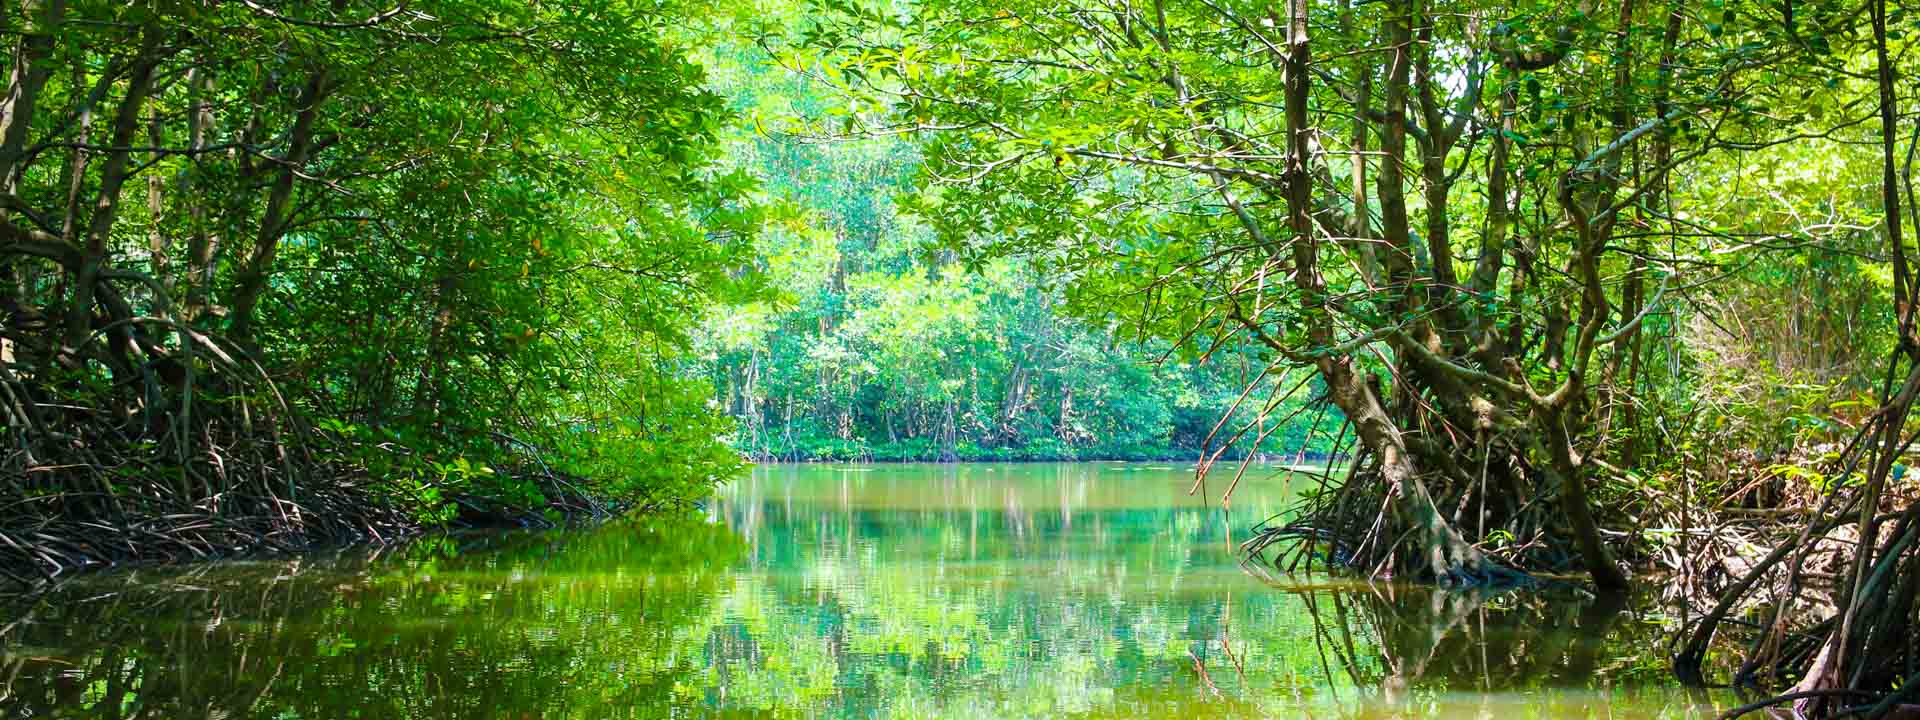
<point>976,591</point>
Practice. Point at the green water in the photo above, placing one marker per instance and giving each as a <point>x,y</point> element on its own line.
<point>978,591</point>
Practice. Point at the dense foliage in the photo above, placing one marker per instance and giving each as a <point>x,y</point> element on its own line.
<point>1541,255</point>
<point>1573,282</point>
<point>878,346</point>
<point>308,271</point>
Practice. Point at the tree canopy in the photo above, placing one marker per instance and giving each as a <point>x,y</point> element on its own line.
<point>1549,279</point>
<point>1525,249</point>
<point>269,262</point>
<point>880,345</point>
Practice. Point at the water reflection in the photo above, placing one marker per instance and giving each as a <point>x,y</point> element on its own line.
<point>917,591</point>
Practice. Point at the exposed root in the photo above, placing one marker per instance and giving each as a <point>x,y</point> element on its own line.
<point>1360,523</point>
<point>152,442</point>
<point>1841,630</point>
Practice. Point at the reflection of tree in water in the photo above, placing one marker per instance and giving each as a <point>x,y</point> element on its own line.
<point>905,609</point>
<point>1427,637</point>
<point>440,631</point>
<point>1014,610</point>
<point>1000,611</point>
<point>1407,643</point>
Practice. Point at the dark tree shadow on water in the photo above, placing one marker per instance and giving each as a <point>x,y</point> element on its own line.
<point>513,627</point>
<point>1400,644</point>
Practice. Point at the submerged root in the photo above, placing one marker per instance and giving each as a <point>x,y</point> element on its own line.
<point>108,500</point>
<point>152,442</point>
<point>1436,528</point>
<point>1298,547</point>
<point>101,493</point>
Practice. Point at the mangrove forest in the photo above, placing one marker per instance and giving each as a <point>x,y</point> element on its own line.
<point>949,358</point>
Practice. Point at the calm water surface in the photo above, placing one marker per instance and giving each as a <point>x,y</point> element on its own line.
<point>976,591</point>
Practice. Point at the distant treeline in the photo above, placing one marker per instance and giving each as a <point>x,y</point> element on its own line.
<point>1003,382</point>
<point>881,349</point>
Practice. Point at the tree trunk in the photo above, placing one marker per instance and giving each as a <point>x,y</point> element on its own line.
<point>204,243</point>
<point>114,172</point>
<point>30,72</point>
<point>273,221</point>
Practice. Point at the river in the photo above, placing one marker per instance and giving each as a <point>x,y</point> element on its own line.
<point>823,591</point>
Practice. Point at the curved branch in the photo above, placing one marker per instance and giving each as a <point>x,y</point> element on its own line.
<point>367,23</point>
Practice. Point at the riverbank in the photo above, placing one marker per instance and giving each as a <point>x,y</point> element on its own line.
<point>57,520</point>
